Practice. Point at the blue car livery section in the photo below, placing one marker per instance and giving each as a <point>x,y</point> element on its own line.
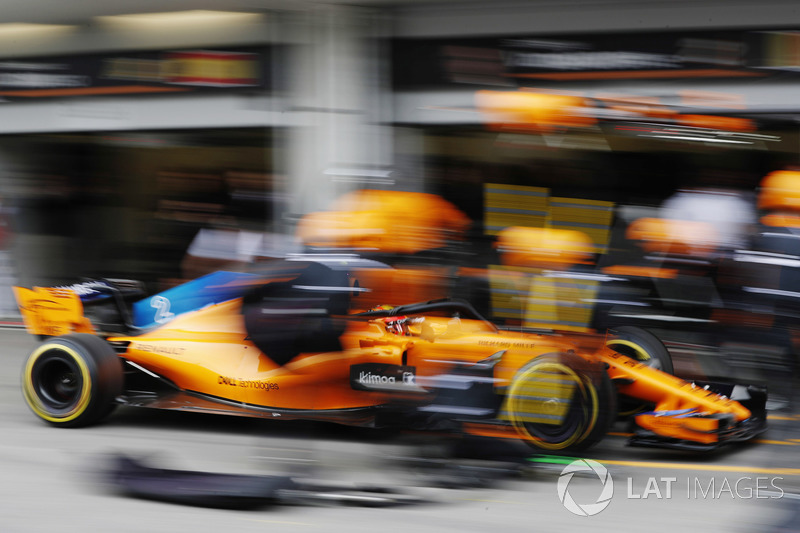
<point>196,294</point>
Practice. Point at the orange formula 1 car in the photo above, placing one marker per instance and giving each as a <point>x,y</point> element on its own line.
<point>291,343</point>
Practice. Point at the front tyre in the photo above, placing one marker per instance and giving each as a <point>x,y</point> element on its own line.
<point>641,345</point>
<point>644,347</point>
<point>73,380</point>
<point>561,402</point>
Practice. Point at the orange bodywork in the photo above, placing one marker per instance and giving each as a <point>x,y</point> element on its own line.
<point>208,353</point>
<point>670,394</point>
<point>51,311</point>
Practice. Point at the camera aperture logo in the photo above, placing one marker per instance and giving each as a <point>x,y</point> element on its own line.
<point>589,499</point>
<point>606,493</point>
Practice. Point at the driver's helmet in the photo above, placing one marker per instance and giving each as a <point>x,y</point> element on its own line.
<point>780,191</point>
<point>396,324</point>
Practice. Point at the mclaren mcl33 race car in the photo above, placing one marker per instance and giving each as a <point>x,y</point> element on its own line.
<point>290,342</point>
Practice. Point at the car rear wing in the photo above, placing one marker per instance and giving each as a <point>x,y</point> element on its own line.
<point>52,311</point>
<point>74,308</point>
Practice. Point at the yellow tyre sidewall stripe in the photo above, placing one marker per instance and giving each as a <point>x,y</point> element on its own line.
<point>641,353</point>
<point>33,398</point>
<point>584,386</point>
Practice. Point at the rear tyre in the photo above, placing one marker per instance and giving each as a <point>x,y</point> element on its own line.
<point>561,402</point>
<point>73,380</point>
<point>644,347</point>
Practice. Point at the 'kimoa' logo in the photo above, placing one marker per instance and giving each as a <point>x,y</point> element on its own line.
<point>370,378</point>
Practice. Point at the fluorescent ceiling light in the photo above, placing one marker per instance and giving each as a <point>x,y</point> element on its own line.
<point>180,17</point>
<point>19,28</point>
<point>700,139</point>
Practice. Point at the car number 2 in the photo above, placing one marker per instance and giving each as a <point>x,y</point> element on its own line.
<point>161,305</point>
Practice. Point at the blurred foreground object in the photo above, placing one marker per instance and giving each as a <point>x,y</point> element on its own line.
<point>780,192</point>
<point>229,247</point>
<point>772,267</point>
<point>534,284</point>
<point>417,233</point>
<point>729,210</point>
<point>384,221</point>
<point>544,248</point>
<point>713,285</point>
<point>138,479</point>
<point>674,237</point>
<point>8,276</point>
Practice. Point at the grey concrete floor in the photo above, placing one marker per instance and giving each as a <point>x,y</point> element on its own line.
<point>49,482</point>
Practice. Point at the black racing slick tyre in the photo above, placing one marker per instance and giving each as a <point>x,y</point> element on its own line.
<point>644,347</point>
<point>73,380</point>
<point>561,402</point>
<point>641,345</point>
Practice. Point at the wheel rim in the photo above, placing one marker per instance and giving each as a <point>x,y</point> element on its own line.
<point>576,420</point>
<point>634,351</point>
<point>56,383</point>
<point>637,353</point>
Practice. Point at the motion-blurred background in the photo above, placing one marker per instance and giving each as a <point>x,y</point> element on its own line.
<point>125,129</point>
<point>158,141</point>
